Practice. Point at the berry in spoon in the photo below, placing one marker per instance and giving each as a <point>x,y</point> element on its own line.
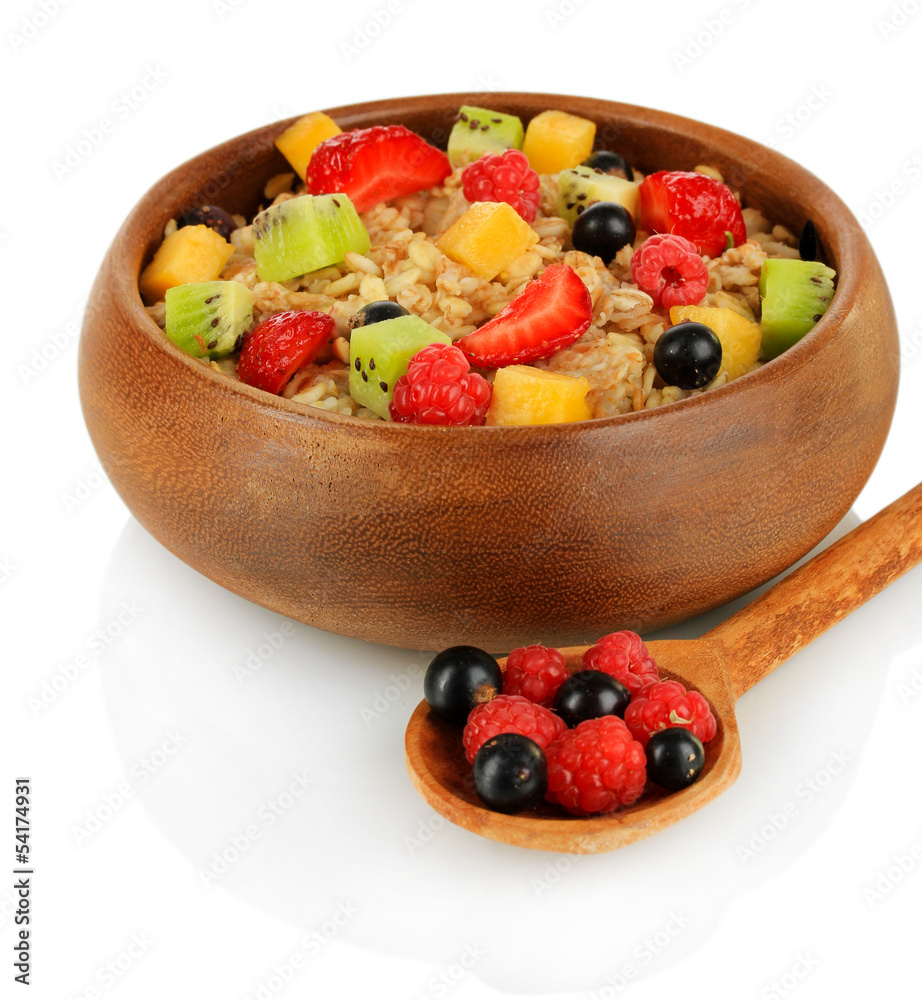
<point>458,679</point>
<point>590,694</point>
<point>675,758</point>
<point>510,773</point>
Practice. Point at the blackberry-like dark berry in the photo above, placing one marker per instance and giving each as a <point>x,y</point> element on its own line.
<point>609,163</point>
<point>603,229</point>
<point>688,355</point>
<point>377,312</point>
<point>460,678</point>
<point>675,757</point>
<point>590,694</point>
<point>209,215</point>
<point>510,773</point>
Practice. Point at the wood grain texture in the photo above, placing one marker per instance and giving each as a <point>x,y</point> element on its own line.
<point>722,665</point>
<point>426,536</point>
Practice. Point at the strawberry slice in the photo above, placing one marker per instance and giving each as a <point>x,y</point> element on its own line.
<point>375,164</point>
<point>694,206</point>
<point>282,344</point>
<point>554,311</point>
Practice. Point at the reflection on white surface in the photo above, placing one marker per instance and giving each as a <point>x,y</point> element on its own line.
<point>290,792</point>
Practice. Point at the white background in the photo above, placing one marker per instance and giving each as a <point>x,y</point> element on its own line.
<point>831,772</point>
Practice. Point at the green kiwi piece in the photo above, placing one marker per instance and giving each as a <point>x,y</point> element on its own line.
<point>479,130</point>
<point>580,187</point>
<point>208,318</point>
<point>306,233</point>
<point>795,294</point>
<point>380,353</point>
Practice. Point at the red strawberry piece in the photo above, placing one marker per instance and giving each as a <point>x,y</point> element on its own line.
<point>625,656</point>
<point>669,270</point>
<point>692,205</point>
<point>504,177</point>
<point>596,767</point>
<point>510,713</point>
<point>665,705</point>
<point>535,672</point>
<point>439,388</point>
<point>375,164</point>
<point>554,311</point>
<point>280,345</point>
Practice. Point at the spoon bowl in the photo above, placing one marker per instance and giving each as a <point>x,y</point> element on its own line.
<point>722,665</point>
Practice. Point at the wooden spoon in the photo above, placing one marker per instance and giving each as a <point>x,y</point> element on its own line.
<point>723,665</point>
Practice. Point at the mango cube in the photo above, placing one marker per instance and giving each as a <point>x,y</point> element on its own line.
<point>556,140</point>
<point>524,395</point>
<point>740,338</point>
<point>487,238</point>
<point>298,142</point>
<point>191,254</point>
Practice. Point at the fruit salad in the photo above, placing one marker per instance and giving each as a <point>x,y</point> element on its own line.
<point>522,276</point>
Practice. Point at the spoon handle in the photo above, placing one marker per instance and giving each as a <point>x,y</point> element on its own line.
<point>821,592</point>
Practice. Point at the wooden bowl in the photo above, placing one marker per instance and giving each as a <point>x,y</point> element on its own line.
<point>428,536</point>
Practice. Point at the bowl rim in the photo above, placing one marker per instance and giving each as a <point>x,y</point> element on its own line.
<point>848,245</point>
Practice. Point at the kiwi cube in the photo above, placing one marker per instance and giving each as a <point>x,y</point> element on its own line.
<point>380,353</point>
<point>306,233</point>
<point>479,130</point>
<point>795,295</point>
<point>580,187</point>
<point>208,318</point>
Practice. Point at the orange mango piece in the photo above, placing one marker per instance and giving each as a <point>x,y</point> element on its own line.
<point>523,395</point>
<point>193,253</point>
<point>298,142</point>
<point>556,140</point>
<point>487,238</point>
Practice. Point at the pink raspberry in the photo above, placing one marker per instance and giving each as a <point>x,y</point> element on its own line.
<point>670,270</point>
<point>665,705</point>
<point>510,713</point>
<point>596,767</point>
<point>625,657</point>
<point>504,177</point>
<point>440,388</point>
<point>535,672</point>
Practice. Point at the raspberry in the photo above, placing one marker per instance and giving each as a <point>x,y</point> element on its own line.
<point>625,657</point>
<point>666,704</point>
<point>535,672</point>
<point>596,767</point>
<point>510,713</point>
<point>439,388</point>
<point>669,269</point>
<point>504,177</point>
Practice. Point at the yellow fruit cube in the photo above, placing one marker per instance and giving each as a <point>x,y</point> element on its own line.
<point>740,338</point>
<point>524,395</point>
<point>298,142</point>
<point>555,141</point>
<point>193,253</point>
<point>487,238</point>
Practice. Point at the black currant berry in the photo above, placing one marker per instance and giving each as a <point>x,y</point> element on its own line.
<point>458,679</point>
<point>609,163</point>
<point>688,355</point>
<point>675,757</point>
<point>209,215</point>
<point>376,312</point>
<point>589,694</point>
<point>603,229</point>
<point>510,773</point>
